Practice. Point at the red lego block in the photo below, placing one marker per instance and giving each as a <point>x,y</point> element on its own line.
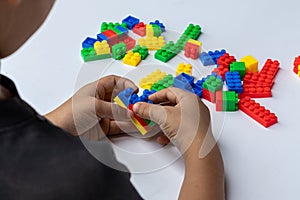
<point>140,29</point>
<point>140,120</point>
<point>219,100</point>
<point>208,95</point>
<point>130,42</point>
<point>226,60</point>
<point>191,51</point>
<point>296,64</point>
<point>221,71</point>
<point>270,69</point>
<point>257,90</point>
<point>111,35</point>
<point>257,112</point>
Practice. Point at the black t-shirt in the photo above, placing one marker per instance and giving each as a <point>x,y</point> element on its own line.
<point>41,161</point>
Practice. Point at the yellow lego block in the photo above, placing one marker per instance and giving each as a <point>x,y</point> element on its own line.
<point>102,48</point>
<point>152,43</point>
<point>182,68</point>
<point>149,31</point>
<point>149,80</point>
<point>251,63</point>
<point>132,59</point>
<point>196,42</point>
<point>299,70</point>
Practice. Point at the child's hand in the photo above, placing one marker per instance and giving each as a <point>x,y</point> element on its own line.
<point>92,105</point>
<point>187,121</point>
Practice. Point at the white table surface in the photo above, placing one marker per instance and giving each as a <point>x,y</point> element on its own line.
<point>260,164</point>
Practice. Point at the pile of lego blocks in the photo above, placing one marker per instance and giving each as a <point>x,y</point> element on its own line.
<point>297,66</point>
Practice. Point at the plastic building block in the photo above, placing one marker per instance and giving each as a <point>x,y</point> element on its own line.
<point>149,31</point>
<point>296,64</point>
<point>257,90</point>
<point>130,22</point>
<point>143,51</point>
<point>140,29</point>
<point>182,68</point>
<point>184,81</point>
<point>122,29</point>
<point>167,52</point>
<point>132,59</point>
<point>192,49</point>
<point>161,25</point>
<point>208,95</point>
<point>119,51</point>
<point>226,60</point>
<point>149,80</point>
<point>123,98</point>
<point>129,42</point>
<point>215,55</point>
<point>299,70</point>
<point>102,47</point>
<point>156,30</point>
<point>152,43</point>
<point>88,42</point>
<point>193,31</point>
<point>239,67</point>
<point>251,63</point>
<point>206,59</point>
<point>143,98</point>
<point>221,71</point>
<point>270,69</point>
<point>226,101</point>
<point>257,112</point>
<point>197,88</point>
<point>91,55</point>
<point>233,82</point>
<point>110,25</point>
<point>213,84</point>
<point>167,81</point>
<point>139,123</point>
<point>181,42</point>
<point>109,36</point>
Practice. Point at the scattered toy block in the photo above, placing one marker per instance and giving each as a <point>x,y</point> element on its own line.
<point>149,80</point>
<point>193,31</point>
<point>251,63</point>
<point>239,67</point>
<point>119,51</point>
<point>140,29</point>
<point>132,59</point>
<point>161,25</point>
<point>215,55</point>
<point>129,42</point>
<point>213,84</point>
<point>143,51</point>
<point>88,42</point>
<point>296,64</point>
<point>184,81</point>
<point>182,68</point>
<point>167,52</point>
<point>130,21</point>
<point>206,59</point>
<point>257,90</point>
<point>90,54</point>
<point>221,71</point>
<point>167,81</point>
<point>233,82</point>
<point>226,60</point>
<point>257,112</point>
<point>110,25</point>
<point>152,43</point>
<point>270,69</point>
<point>102,47</point>
<point>208,95</point>
<point>192,49</point>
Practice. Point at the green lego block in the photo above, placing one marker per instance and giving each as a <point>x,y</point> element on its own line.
<point>90,54</point>
<point>119,51</point>
<point>193,31</point>
<point>166,82</point>
<point>240,67</point>
<point>230,101</point>
<point>213,84</point>
<point>143,51</point>
<point>110,25</point>
<point>156,30</point>
<point>181,42</point>
<point>117,31</point>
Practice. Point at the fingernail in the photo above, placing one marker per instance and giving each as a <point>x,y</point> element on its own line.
<point>135,108</point>
<point>130,114</point>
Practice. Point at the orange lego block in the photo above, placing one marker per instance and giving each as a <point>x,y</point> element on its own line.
<point>132,59</point>
<point>152,43</point>
<point>182,68</point>
<point>149,80</point>
<point>102,48</point>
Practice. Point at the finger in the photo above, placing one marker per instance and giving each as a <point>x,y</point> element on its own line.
<point>152,112</point>
<point>118,127</point>
<point>162,140</point>
<point>112,111</point>
<point>171,95</point>
<point>113,85</point>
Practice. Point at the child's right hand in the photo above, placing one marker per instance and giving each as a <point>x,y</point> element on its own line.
<point>185,122</point>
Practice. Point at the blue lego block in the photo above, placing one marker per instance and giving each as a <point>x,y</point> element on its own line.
<point>125,96</point>
<point>184,81</point>
<point>143,98</point>
<point>88,43</point>
<point>122,29</point>
<point>130,22</point>
<point>215,55</point>
<point>161,25</point>
<point>206,59</point>
<point>197,88</point>
<point>216,75</point>
<point>102,37</point>
<point>233,82</point>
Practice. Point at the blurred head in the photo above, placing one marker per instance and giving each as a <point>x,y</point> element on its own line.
<point>19,19</point>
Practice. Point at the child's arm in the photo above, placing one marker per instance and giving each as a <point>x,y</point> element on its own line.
<point>187,125</point>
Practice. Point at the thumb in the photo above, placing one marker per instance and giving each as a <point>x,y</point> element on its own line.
<point>155,113</point>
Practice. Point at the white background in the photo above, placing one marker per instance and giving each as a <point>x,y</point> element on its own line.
<point>260,163</point>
